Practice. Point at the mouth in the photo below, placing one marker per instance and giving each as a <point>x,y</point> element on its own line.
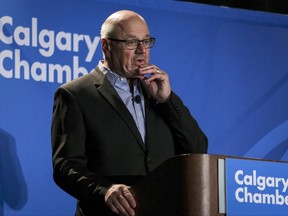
<point>140,61</point>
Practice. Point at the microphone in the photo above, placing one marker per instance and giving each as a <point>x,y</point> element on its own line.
<point>137,99</point>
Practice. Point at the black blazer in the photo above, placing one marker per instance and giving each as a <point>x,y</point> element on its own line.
<point>96,142</point>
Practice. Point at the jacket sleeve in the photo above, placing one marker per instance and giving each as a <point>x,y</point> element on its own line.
<point>70,170</point>
<point>188,136</point>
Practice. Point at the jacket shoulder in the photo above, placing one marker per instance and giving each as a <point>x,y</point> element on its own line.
<point>94,78</point>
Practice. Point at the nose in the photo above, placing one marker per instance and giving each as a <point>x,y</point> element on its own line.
<point>140,48</point>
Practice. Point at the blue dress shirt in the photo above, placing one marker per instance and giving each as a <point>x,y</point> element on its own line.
<point>136,105</point>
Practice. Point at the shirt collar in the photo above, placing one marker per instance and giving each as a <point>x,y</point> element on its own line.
<point>111,76</point>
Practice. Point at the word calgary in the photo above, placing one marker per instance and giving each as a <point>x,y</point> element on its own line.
<point>19,41</point>
<point>246,192</point>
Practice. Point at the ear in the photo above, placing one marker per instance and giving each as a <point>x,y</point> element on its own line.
<point>105,46</point>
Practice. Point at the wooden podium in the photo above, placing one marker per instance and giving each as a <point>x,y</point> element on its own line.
<point>196,185</point>
<point>184,185</point>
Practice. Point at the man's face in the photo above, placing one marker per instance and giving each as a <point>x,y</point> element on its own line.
<point>122,60</point>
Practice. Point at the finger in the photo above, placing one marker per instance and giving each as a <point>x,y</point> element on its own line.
<point>128,195</point>
<point>113,208</point>
<point>156,76</point>
<point>119,208</point>
<point>126,208</point>
<point>149,69</point>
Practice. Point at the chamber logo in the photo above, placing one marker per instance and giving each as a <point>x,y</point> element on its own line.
<point>19,40</point>
<point>252,188</point>
<point>256,187</point>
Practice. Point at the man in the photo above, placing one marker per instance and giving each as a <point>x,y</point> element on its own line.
<point>115,125</point>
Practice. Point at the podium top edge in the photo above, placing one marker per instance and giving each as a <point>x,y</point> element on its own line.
<point>219,156</point>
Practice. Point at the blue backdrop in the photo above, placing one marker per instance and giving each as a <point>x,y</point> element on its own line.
<point>229,66</point>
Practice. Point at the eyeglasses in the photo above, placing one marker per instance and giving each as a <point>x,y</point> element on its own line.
<point>133,44</point>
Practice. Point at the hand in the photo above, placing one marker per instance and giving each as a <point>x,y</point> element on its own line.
<point>120,200</point>
<point>158,83</point>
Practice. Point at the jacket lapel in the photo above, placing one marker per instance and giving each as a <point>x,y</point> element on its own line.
<point>105,88</point>
<point>149,117</point>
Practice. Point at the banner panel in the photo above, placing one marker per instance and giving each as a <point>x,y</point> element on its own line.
<point>256,187</point>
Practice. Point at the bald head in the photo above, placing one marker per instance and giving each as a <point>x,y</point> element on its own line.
<point>115,23</point>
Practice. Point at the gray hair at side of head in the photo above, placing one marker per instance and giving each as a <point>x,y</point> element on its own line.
<point>111,25</point>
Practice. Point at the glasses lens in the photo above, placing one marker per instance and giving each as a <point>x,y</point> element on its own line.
<point>133,44</point>
<point>146,43</point>
<point>151,42</point>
